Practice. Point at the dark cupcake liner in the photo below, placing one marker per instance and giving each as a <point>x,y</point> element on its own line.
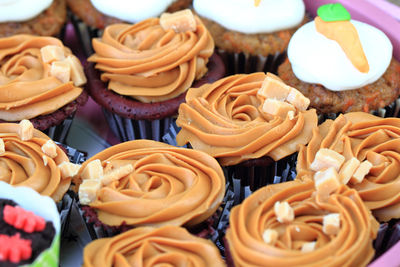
<point>129,129</point>
<point>85,34</point>
<point>388,236</point>
<point>244,63</point>
<point>60,132</point>
<point>391,110</point>
<point>65,205</point>
<point>250,175</point>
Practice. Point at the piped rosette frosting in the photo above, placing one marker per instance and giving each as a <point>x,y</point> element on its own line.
<point>361,150</point>
<point>244,117</point>
<point>30,158</point>
<point>292,224</point>
<point>145,182</point>
<point>156,59</point>
<point>147,246</point>
<point>38,75</point>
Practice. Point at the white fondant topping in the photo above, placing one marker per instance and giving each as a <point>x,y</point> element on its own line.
<point>21,10</point>
<point>317,59</point>
<point>243,16</point>
<point>132,11</point>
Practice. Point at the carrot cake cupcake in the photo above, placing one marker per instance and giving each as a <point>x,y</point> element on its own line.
<point>251,35</point>
<point>342,65</point>
<point>40,17</point>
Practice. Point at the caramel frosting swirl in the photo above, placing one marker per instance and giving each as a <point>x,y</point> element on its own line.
<point>22,163</point>
<point>225,120</point>
<point>350,246</point>
<point>366,137</point>
<point>145,62</point>
<point>27,88</point>
<point>167,185</point>
<point>147,246</point>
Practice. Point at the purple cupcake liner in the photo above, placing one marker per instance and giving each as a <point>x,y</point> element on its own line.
<point>248,176</point>
<point>129,129</point>
<point>244,63</point>
<point>85,34</point>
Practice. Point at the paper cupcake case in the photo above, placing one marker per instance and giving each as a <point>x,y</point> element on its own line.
<point>65,205</point>
<point>32,201</point>
<point>244,63</point>
<point>128,129</point>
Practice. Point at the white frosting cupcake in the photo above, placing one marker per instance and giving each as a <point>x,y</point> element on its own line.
<point>21,10</point>
<point>248,17</point>
<point>317,59</point>
<point>132,11</point>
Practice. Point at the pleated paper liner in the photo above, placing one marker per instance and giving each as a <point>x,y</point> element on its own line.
<point>129,129</point>
<point>85,34</point>
<point>64,206</point>
<point>244,63</point>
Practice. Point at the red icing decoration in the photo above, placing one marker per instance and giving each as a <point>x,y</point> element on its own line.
<point>14,249</point>
<point>23,219</point>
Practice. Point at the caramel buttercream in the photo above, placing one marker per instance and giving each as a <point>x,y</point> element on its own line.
<point>145,62</point>
<point>351,245</point>
<point>29,85</point>
<point>23,164</point>
<point>367,138</point>
<point>147,246</point>
<point>233,121</point>
<point>165,185</point>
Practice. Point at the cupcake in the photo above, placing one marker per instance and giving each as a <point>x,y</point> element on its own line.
<point>40,17</point>
<point>30,158</point>
<point>40,80</point>
<point>145,70</point>
<point>29,228</point>
<point>251,36</point>
<point>148,246</point>
<point>292,224</point>
<point>148,183</point>
<point>342,65</point>
<point>361,150</point>
<point>251,123</point>
<point>92,16</point>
